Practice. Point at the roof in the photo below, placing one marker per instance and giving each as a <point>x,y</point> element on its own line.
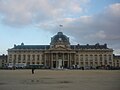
<point>96,46</point>
<point>116,56</point>
<point>60,37</point>
<point>32,47</point>
<point>3,56</point>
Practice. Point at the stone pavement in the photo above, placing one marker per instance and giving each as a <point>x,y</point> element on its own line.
<point>59,80</point>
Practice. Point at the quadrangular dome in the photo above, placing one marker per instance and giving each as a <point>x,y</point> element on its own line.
<point>60,38</point>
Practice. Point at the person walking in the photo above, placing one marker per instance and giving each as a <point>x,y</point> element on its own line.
<point>33,70</point>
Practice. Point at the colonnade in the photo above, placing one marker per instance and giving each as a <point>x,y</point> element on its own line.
<point>56,60</point>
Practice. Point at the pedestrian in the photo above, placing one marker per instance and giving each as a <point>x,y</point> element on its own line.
<point>33,70</point>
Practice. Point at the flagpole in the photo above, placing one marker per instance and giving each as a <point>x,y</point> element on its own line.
<point>60,27</point>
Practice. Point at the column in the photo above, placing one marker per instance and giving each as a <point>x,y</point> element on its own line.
<point>35,60</point>
<point>107,57</point>
<point>94,60</point>
<point>52,60</point>
<point>30,58</point>
<point>102,59</point>
<point>11,58</point>
<point>74,59</point>
<point>63,60</point>
<point>112,59</point>
<point>84,60</point>
<point>21,61</point>
<point>79,60</point>
<point>16,61</point>
<point>68,59</point>
<point>56,59</point>
<point>98,59</point>
<point>26,58</point>
<point>40,58</point>
<point>45,60</point>
<point>89,60</point>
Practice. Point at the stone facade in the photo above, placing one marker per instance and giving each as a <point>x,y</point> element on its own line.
<point>3,61</point>
<point>116,60</point>
<point>61,54</point>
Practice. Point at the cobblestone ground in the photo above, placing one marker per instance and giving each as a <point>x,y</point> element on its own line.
<point>59,80</point>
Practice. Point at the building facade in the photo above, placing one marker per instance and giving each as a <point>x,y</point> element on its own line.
<point>3,61</point>
<point>61,54</point>
<point>116,61</point>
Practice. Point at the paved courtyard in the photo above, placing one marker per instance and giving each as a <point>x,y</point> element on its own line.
<point>59,80</point>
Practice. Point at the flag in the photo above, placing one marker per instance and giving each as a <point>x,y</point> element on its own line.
<point>61,25</point>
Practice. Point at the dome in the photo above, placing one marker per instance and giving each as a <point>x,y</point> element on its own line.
<point>60,37</point>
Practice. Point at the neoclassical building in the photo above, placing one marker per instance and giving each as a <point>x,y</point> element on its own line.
<point>61,54</point>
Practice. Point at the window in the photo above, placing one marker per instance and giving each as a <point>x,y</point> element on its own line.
<point>65,56</point>
<point>28,57</point>
<point>100,57</point>
<point>38,57</point>
<point>19,57</point>
<point>91,57</point>
<point>14,57</point>
<point>33,57</point>
<point>81,57</point>
<point>38,63</point>
<point>24,57</point>
<point>54,56</point>
<point>105,57</point>
<point>95,57</point>
<point>110,58</point>
<point>86,57</point>
<point>10,57</point>
<point>28,63</point>
<point>81,63</point>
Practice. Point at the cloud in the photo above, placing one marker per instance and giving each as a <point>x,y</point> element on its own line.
<point>99,34</point>
<point>102,27</point>
<point>26,12</point>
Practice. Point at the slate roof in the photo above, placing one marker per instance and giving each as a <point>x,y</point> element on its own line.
<point>71,46</point>
<point>96,46</point>
<point>58,36</point>
<point>32,47</point>
<point>116,56</point>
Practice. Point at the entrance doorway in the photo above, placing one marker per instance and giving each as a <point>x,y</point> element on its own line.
<point>65,64</point>
<point>54,64</point>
